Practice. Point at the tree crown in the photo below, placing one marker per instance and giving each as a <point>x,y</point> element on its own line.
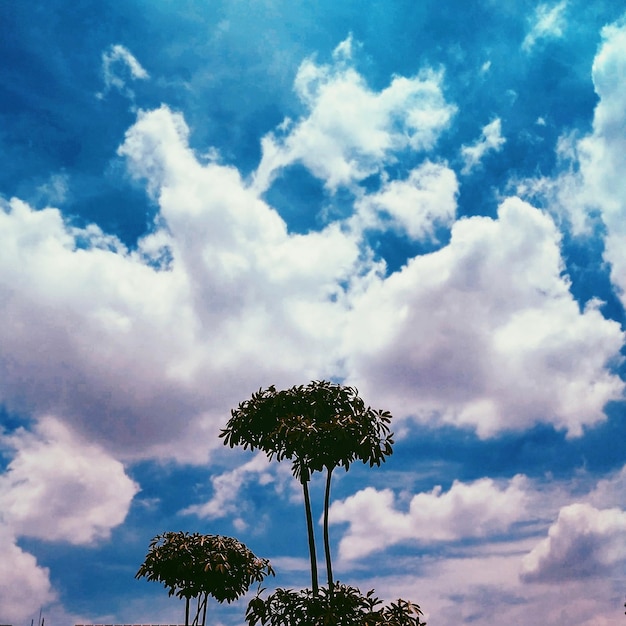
<point>191,564</point>
<point>318,425</point>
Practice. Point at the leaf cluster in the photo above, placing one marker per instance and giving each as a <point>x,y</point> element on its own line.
<point>316,426</point>
<point>343,606</point>
<point>192,564</point>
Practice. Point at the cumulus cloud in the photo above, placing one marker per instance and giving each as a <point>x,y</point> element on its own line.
<point>24,584</point>
<point>54,476</point>
<point>609,491</point>
<point>602,154</point>
<point>485,332</point>
<point>491,140</point>
<point>584,542</point>
<point>350,131</point>
<point>56,487</point>
<point>592,180</point>
<point>467,510</point>
<point>146,356</point>
<point>548,22</point>
<point>145,351</point>
<point>119,66</point>
<point>425,200</point>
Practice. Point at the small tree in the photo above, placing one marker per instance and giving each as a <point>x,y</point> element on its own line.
<point>196,566</point>
<point>317,426</point>
<point>344,606</point>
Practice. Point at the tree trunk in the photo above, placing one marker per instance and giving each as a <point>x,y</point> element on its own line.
<point>186,611</point>
<point>206,601</point>
<point>309,526</point>
<point>329,567</point>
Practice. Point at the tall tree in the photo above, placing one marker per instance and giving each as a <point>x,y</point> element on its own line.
<point>319,426</point>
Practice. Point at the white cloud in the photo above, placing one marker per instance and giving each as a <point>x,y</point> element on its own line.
<point>417,205</point>
<point>603,153</point>
<point>548,22</point>
<point>491,140</point>
<point>592,179</point>
<point>609,491</point>
<point>146,361</point>
<point>24,584</point>
<point>583,542</point>
<point>226,500</point>
<point>467,510</point>
<point>350,131</point>
<point>119,65</point>
<point>485,589</point>
<point>60,488</point>
<point>485,333</point>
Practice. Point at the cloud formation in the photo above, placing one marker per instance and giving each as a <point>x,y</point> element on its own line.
<point>60,488</point>
<point>491,140</point>
<point>485,333</point>
<point>415,206</point>
<point>226,500</point>
<point>350,131</point>
<point>24,584</point>
<point>548,22</point>
<point>55,477</point>
<point>584,542</point>
<point>466,510</point>
<point>119,66</point>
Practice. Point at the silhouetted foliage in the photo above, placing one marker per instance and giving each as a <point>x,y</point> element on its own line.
<point>342,606</point>
<point>195,566</point>
<point>318,426</point>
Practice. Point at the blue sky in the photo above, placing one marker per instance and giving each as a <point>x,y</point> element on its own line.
<point>425,200</point>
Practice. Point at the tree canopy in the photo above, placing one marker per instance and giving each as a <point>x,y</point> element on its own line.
<point>316,426</point>
<point>189,565</point>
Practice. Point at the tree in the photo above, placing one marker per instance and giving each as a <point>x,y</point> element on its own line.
<point>196,566</point>
<point>344,606</point>
<point>319,426</point>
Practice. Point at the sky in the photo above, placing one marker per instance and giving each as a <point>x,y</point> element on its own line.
<point>425,200</point>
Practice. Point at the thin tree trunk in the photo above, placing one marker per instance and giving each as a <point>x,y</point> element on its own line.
<point>206,601</point>
<point>329,567</point>
<point>309,527</point>
<point>186,611</point>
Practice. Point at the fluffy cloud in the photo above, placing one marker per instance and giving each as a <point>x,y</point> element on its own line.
<point>548,22</point>
<point>583,542</point>
<point>485,332</point>
<point>467,510</point>
<point>56,487</point>
<point>592,180</point>
<point>491,140</point>
<point>55,476</point>
<point>23,583</point>
<point>425,200</point>
<point>350,130</point>
<point>145,351</point>
<point>602,154</point>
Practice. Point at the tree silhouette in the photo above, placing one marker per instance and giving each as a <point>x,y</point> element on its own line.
<point>319,426</point>
<point>196,566</point>
<point>344,606</point>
